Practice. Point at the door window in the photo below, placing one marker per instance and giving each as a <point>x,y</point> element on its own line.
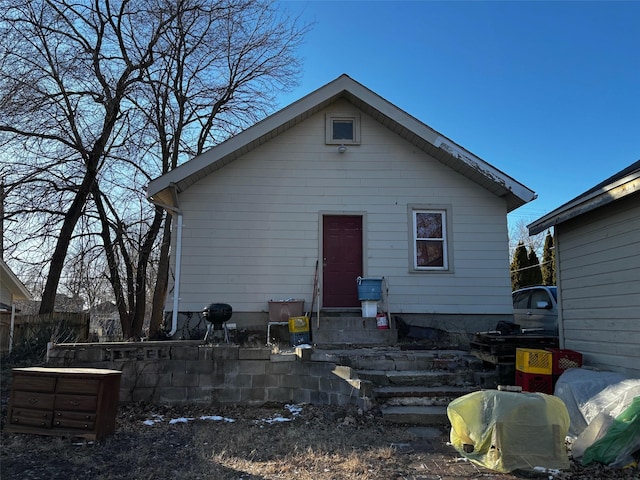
<point>521,300</point>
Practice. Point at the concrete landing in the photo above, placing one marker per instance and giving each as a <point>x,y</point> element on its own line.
<point>351,330</point>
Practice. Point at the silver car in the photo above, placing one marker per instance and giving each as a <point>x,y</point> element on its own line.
<point>535,309</point>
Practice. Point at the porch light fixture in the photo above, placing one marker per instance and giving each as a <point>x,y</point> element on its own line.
<point>342,149</point>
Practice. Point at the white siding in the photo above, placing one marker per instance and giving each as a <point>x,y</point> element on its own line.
<point>252,230</point>
<point>598,258</point>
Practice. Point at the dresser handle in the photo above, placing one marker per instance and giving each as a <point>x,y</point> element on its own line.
<point>33,400</point>
<point>75,403</point>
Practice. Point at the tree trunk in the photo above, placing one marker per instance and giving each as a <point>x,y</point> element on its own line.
<point>162,282</point>
<point>137,322</point>
<point>62,245</point>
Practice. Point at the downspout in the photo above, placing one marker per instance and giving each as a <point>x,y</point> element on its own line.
<point>176,283</point>
<point>12,325</point>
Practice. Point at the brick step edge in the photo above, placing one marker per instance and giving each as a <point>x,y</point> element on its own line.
<point>415,415</point>
<point>418,391</point>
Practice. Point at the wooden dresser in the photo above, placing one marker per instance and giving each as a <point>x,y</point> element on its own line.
<point>79,402</point>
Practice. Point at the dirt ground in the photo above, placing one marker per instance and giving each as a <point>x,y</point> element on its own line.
<point>271,442</point>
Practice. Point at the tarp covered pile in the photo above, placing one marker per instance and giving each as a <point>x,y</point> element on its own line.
<point>604,408</point>
<point>507,431</point>
<point>597,412</point>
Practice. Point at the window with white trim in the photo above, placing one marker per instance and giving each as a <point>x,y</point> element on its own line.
<point>342,129</point>
<point>430,240</point>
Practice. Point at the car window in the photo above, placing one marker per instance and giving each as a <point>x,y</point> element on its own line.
<point>539,295</point>
<point>521,300</point>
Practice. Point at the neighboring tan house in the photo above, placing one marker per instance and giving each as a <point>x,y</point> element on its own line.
<point>11,291</point>
<point>345,178</point>
<point>597,242</point>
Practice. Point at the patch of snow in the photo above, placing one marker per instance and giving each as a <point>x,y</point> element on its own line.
<point>294,410</point>
<point>180,420</point>
<point>217,418</point>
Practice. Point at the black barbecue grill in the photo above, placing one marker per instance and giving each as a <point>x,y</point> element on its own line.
<point>216,315</point>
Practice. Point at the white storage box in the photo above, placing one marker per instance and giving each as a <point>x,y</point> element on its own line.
<point>369,308</point>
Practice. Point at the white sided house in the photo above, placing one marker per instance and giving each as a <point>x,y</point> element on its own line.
<point>11,291</point>
<point>597,247</point>
<point>347,181</point>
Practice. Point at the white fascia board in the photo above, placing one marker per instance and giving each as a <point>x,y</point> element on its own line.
<point>486,169</point>
<point>585,203</point>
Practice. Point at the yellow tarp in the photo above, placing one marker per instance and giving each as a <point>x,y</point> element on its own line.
<point>507,431</point>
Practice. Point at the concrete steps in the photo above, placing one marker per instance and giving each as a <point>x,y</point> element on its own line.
<point>420,396</point>
<point>348,329</point>
<point>409,387</point>
<point>416,415</point>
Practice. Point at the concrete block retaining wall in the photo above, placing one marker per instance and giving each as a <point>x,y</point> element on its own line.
<point>186,372</point>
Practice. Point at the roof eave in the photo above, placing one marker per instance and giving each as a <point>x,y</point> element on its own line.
<point>410,128</point>
<point>586,203</point>
<point>17,288</point>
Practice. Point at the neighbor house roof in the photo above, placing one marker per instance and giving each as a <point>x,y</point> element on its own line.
<point>12,283</point>
<point>162,190</point>
<point>620,185</point>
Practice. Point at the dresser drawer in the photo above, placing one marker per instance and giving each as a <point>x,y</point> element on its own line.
<point>34,383</point>
<point>77,403</point>
<point>31,418</point>
<point>79,386</point>
<point>37,400</point>
<point>80,420</point>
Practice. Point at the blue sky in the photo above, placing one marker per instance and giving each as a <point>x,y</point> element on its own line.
<point>548,92</point>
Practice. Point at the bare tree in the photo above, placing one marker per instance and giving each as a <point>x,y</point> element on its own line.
<point>70,66</point>
<point>97,97</point>
<point>519,233</point>
<point>226,62</point>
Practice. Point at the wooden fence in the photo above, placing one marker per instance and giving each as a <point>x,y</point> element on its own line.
<point>56,327</point>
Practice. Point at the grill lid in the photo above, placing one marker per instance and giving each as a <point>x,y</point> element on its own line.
<point>217,312</point>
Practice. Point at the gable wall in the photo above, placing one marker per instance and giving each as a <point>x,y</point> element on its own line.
<point>5,294</point>
<point>251,230</point>
<point>598,257</point>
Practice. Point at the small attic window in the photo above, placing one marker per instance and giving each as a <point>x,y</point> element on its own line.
<point>342,129</point>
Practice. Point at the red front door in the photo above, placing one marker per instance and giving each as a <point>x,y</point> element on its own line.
<point>342,260</point>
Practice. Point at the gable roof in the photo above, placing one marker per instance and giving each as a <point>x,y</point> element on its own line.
<point>620,185</point>
<point>163,189</point>
<point>9,280</point>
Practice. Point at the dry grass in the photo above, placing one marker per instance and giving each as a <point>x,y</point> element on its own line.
<point>319,443</point>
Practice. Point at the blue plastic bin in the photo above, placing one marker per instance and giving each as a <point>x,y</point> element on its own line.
<point>369,288</point>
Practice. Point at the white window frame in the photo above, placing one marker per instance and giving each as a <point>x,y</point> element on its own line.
<point>444,240</point>
<point>336,117</point>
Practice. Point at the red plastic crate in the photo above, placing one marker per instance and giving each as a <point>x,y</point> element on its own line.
<point>562,360</point>
<point>534,382</point>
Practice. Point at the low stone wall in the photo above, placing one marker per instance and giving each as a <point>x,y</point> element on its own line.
<point>187,372</point>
